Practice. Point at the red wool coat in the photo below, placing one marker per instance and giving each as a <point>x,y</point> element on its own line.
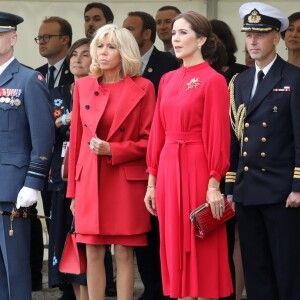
<point>110,200</point>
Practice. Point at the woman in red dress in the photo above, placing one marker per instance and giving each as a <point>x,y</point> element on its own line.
<point>188,154</point>
<point>111,118</point>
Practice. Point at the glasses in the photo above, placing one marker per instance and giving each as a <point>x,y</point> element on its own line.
<point>45,38</point>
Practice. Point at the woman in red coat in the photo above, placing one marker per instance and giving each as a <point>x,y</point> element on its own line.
<point>188,154</point>
<point>111,119</point>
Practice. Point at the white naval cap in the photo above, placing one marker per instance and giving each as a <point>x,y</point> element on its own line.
<point>261,17</point>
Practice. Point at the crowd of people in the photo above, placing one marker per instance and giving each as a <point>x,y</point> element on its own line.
<point>151,135</point>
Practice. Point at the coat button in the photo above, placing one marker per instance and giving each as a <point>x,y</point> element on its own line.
<point>122,129</point>
<point>87,107</point>
<point>246,139</point>
<point>245,154</point>
<point>263,170</point>
<point>246,168</point>
<point>96,93</point>
<point>263,154</point>
<point>264,124</point>
<point>247,125</point>
<point>263,139</point>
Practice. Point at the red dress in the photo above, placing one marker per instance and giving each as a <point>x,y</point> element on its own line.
<point>189,142</point>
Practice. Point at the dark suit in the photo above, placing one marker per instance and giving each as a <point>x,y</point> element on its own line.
<point>27,136</point>
<point>37,246</point>
<point>148,259</point>
<point>66,77</point>
<point>265,168</point>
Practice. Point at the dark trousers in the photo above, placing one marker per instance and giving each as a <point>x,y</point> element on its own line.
<point>36,251</point>
<point>148,262</point>
<point>270,246</point>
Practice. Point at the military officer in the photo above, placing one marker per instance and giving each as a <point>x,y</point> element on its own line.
<point>26,135</point>
<point>264,176</point>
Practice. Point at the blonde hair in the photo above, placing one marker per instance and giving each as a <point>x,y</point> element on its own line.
<point>125,43</point>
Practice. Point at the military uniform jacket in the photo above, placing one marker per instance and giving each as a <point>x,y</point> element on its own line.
<point>26,130</point>
<point>265,162</point>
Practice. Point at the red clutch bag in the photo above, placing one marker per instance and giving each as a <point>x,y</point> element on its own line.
<point>73,258</point>
<point>205,222</point>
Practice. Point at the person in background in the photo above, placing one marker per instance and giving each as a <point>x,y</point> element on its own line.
<point>54,39</point>
<point>79,61</point>
<point>27,136</point>
<point>291,38</point>
<point>155,64</point>
<point>111,119</point>
<point>96,15</point>
<point>224,33</point>
<point>188,154</point>
<point>163,19</point>
<point>264,175</point>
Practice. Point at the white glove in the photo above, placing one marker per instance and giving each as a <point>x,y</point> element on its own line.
<point>27,197</point>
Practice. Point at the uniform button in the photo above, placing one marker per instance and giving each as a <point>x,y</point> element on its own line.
<point>263,139</point>
<point>263,170</point>
<point>246,168</point>
<point>96,93</point>
<point>247,125</point>
<point>264,124</point>
<point>263,154</point>
<point>245,154</point>
<point>246,139</point>
<point>87,107</point>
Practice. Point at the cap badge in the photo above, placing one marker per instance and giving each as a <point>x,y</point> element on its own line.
<point>254,17</point>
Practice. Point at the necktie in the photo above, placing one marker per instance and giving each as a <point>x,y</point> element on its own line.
<point>260,77</point>
<point>51,78</point>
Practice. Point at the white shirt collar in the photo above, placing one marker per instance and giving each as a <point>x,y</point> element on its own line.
<point>5,65</point>
<point>145,58</point>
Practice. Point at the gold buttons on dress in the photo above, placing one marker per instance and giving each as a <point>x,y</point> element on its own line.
<point>263,139</point>
<point>246,168</point>
<point>264,124</point>
<point>245,154</point>
<point>263,154</point>
<point>247,125</point>
<point>246,139</point>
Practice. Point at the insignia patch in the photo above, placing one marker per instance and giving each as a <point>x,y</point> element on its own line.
<point>43,158</point>
<point>254,17</point>
<point>285,89</point>
<point>193,84</point>
<point>275,109</point>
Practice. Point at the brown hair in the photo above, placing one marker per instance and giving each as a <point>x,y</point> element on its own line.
<point>213,47</point>
<point>77,44</point>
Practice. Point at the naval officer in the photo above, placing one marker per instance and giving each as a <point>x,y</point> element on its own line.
<point>26,135</point>
<point>264,175</point>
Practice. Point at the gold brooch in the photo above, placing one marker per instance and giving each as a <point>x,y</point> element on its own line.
<point>193,83</point>
<point>254,17</point>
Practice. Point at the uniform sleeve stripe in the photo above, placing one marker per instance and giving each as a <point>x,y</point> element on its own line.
<point>231,173</point>
<point>229,180</point>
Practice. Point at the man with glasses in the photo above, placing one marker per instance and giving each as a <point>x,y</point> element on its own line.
<point>54,40</point>
<point>26,141</point>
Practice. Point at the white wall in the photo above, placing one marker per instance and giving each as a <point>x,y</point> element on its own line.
<point>33,12</point>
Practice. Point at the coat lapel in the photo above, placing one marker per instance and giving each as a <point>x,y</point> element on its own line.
<point>267,85</point>
<point>246,87</point>
<point>150,68</point>
<point>7,75</point>
<point>129,98</point>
